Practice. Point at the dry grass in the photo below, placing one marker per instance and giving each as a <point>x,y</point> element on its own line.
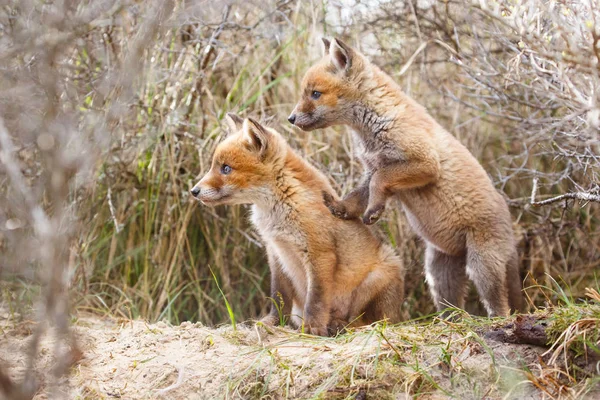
<point>149,255</point>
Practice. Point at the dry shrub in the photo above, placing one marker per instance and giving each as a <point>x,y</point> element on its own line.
<point>517,82</point>
<point>58,112</point>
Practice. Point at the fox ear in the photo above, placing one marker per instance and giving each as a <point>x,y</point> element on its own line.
<point>257,136</point>
<point>234,122</point>
<point>326,45</point>
<point>341,55</point>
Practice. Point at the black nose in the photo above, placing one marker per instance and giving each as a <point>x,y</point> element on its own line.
<point>292,119</point>
<point>195,191</point>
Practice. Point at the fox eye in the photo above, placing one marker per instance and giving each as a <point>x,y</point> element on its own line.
<point>315,95</point>
<point>225,169</point>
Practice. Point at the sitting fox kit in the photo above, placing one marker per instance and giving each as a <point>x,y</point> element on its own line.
<point>328,271</point>
<point>447,196</point>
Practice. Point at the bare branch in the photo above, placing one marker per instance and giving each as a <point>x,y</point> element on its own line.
<point>583,196</point>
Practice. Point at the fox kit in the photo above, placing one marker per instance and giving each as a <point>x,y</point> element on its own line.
<point>328,271</point>
<point>447,196</point>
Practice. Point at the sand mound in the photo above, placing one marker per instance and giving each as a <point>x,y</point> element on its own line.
<point>136,360</point>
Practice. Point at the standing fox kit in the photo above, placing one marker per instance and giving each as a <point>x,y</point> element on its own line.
<point>447,196</point>
<point>327,271</point>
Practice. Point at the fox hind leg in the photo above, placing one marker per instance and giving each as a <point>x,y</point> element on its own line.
<point>487,268</point>
<point>387,304</point>
<point>446,277</point>
<point>514,284</point>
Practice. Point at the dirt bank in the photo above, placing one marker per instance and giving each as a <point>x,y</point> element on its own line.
<point>136,360</point>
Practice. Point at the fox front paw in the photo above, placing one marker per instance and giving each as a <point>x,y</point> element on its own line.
<point>337,327</point>
<point>372,215</point>
<point>318,330</point>
<point>335,207</point>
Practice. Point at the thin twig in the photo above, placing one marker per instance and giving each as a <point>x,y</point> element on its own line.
<point>583,196</point>
<point>112,211</point>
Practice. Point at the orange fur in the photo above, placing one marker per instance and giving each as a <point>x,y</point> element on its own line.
<point>328,271</point>
<point>446,194</point>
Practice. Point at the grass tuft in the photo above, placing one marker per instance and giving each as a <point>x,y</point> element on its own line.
<point>229,308</point>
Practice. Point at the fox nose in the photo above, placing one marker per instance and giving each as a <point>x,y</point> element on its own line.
<point>195,191</point>
<point>292,119</point>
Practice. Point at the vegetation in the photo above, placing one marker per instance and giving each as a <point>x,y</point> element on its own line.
<point>150,254</point>
<point>111,109</point>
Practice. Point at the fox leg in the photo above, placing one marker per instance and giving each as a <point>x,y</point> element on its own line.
<point>487,267</point>
<point>395,177</point>
<point>337,326</point>
<point>380,295</point>
<point>353,205</point>
<point>447,278</point>
<point>378,195</point>
<point>317,308</point>
<point>282,291</point>
<point>387,304</point>
<point>514,284</point>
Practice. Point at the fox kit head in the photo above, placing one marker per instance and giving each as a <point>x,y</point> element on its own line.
<point>329,89</point>
<point>240,166</point>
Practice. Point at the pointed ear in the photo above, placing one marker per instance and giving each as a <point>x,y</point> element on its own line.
<point>341,55</point>
<point>258,137</point>
<point>326,45</point>
<point>234,122</point>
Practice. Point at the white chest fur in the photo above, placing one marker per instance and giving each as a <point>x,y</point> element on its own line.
<point>281,231</point>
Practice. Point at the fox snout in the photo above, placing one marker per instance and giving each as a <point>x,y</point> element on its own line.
<point>207,192</point>
<point>302,115</point>
<point>304,121</point>
<point>197,191</point>
<point>207,195</point>
<point>309,116</point>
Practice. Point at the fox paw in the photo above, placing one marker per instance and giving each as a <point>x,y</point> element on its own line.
<point>337,327</point>
<point>335,207</point>
<point>373,214</point>
<point>318,331</point>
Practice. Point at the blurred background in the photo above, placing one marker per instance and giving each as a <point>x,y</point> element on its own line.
<point>110,111</point>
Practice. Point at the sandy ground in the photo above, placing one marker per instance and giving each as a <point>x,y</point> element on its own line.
<point>136,360</point>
